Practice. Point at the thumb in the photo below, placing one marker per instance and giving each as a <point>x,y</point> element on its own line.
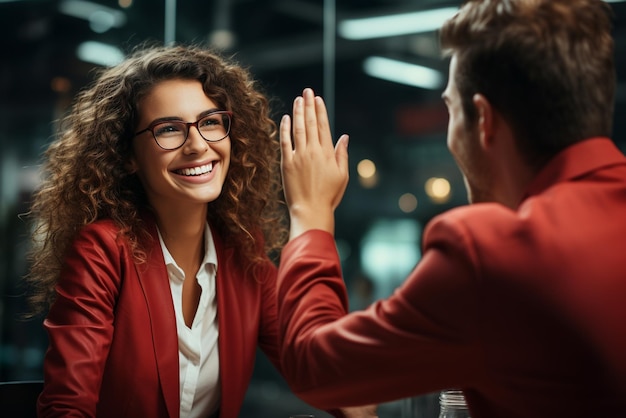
<point>341,153</point>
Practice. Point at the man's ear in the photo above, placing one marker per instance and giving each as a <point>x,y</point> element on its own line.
<point>485,122</point>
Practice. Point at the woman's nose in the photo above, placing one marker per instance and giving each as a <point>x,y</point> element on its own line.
<point>195,142</point>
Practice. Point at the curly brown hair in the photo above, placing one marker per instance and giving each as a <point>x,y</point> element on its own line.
<point>85,174</point>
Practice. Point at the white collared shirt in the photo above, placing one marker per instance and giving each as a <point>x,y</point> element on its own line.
<point>198,355</point>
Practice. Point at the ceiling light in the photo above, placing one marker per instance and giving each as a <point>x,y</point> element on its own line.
<point>438,189</point>
<point>407,203</point>
<point>99,53</point>
<point>366,168</point>
<point>101,18</point>
<point>368,177</point>
<point>403,73</point>
<point>395,25</point>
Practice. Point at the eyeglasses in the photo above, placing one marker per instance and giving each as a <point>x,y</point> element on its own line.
<point>170,135</point>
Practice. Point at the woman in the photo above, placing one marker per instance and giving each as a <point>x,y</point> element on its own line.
<point>159,206</point>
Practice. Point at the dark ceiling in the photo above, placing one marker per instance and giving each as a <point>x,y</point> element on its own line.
<point>400,128</point>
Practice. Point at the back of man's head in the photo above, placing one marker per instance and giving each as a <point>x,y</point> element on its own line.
<point>546,65</point>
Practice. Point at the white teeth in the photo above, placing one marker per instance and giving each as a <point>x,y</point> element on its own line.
<point>196,171</point>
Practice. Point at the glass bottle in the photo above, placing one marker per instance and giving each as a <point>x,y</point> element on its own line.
<point>452,404</point>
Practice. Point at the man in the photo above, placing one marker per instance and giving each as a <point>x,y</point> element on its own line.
<point>520,298</point>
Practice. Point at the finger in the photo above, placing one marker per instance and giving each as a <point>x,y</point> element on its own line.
<point>310,116</point>
<point>323,125</point>
<point>286,146</point>
<point>299,129</point>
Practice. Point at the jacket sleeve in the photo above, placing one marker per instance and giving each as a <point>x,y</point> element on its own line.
<point>80,325</point>
<point>398,347</point>
<point>268,335</point>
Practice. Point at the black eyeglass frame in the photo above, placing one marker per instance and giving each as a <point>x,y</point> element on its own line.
<point>188,126</point>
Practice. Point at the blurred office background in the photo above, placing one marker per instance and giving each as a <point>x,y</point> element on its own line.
<point>376,62</point>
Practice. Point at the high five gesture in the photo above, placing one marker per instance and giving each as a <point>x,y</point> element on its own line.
<point>315,173</point>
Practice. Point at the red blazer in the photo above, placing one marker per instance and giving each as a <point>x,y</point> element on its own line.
<point>525,310</point>
<point>113,347</point>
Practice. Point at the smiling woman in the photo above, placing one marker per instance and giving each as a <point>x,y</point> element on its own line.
<point>181,168</point>
<point>159,209</point>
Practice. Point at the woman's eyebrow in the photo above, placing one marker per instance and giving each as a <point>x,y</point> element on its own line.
<point>166,119</point>
<point>179,119</point>
<point>207,112</point>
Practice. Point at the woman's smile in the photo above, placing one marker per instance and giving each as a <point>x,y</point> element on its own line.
<point>196,171</point>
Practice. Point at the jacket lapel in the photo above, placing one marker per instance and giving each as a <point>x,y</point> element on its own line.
<point>154,281</point>
<point>229,338</point>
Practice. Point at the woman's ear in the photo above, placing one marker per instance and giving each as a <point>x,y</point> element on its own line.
<point>486,121</point>
<point>131,166</point>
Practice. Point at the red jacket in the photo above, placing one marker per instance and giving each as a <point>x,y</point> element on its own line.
<point>525,310</point>
<point>113,347</point>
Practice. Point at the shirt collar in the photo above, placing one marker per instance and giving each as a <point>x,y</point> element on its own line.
<point>210,253</point>
<point>575,161</point>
